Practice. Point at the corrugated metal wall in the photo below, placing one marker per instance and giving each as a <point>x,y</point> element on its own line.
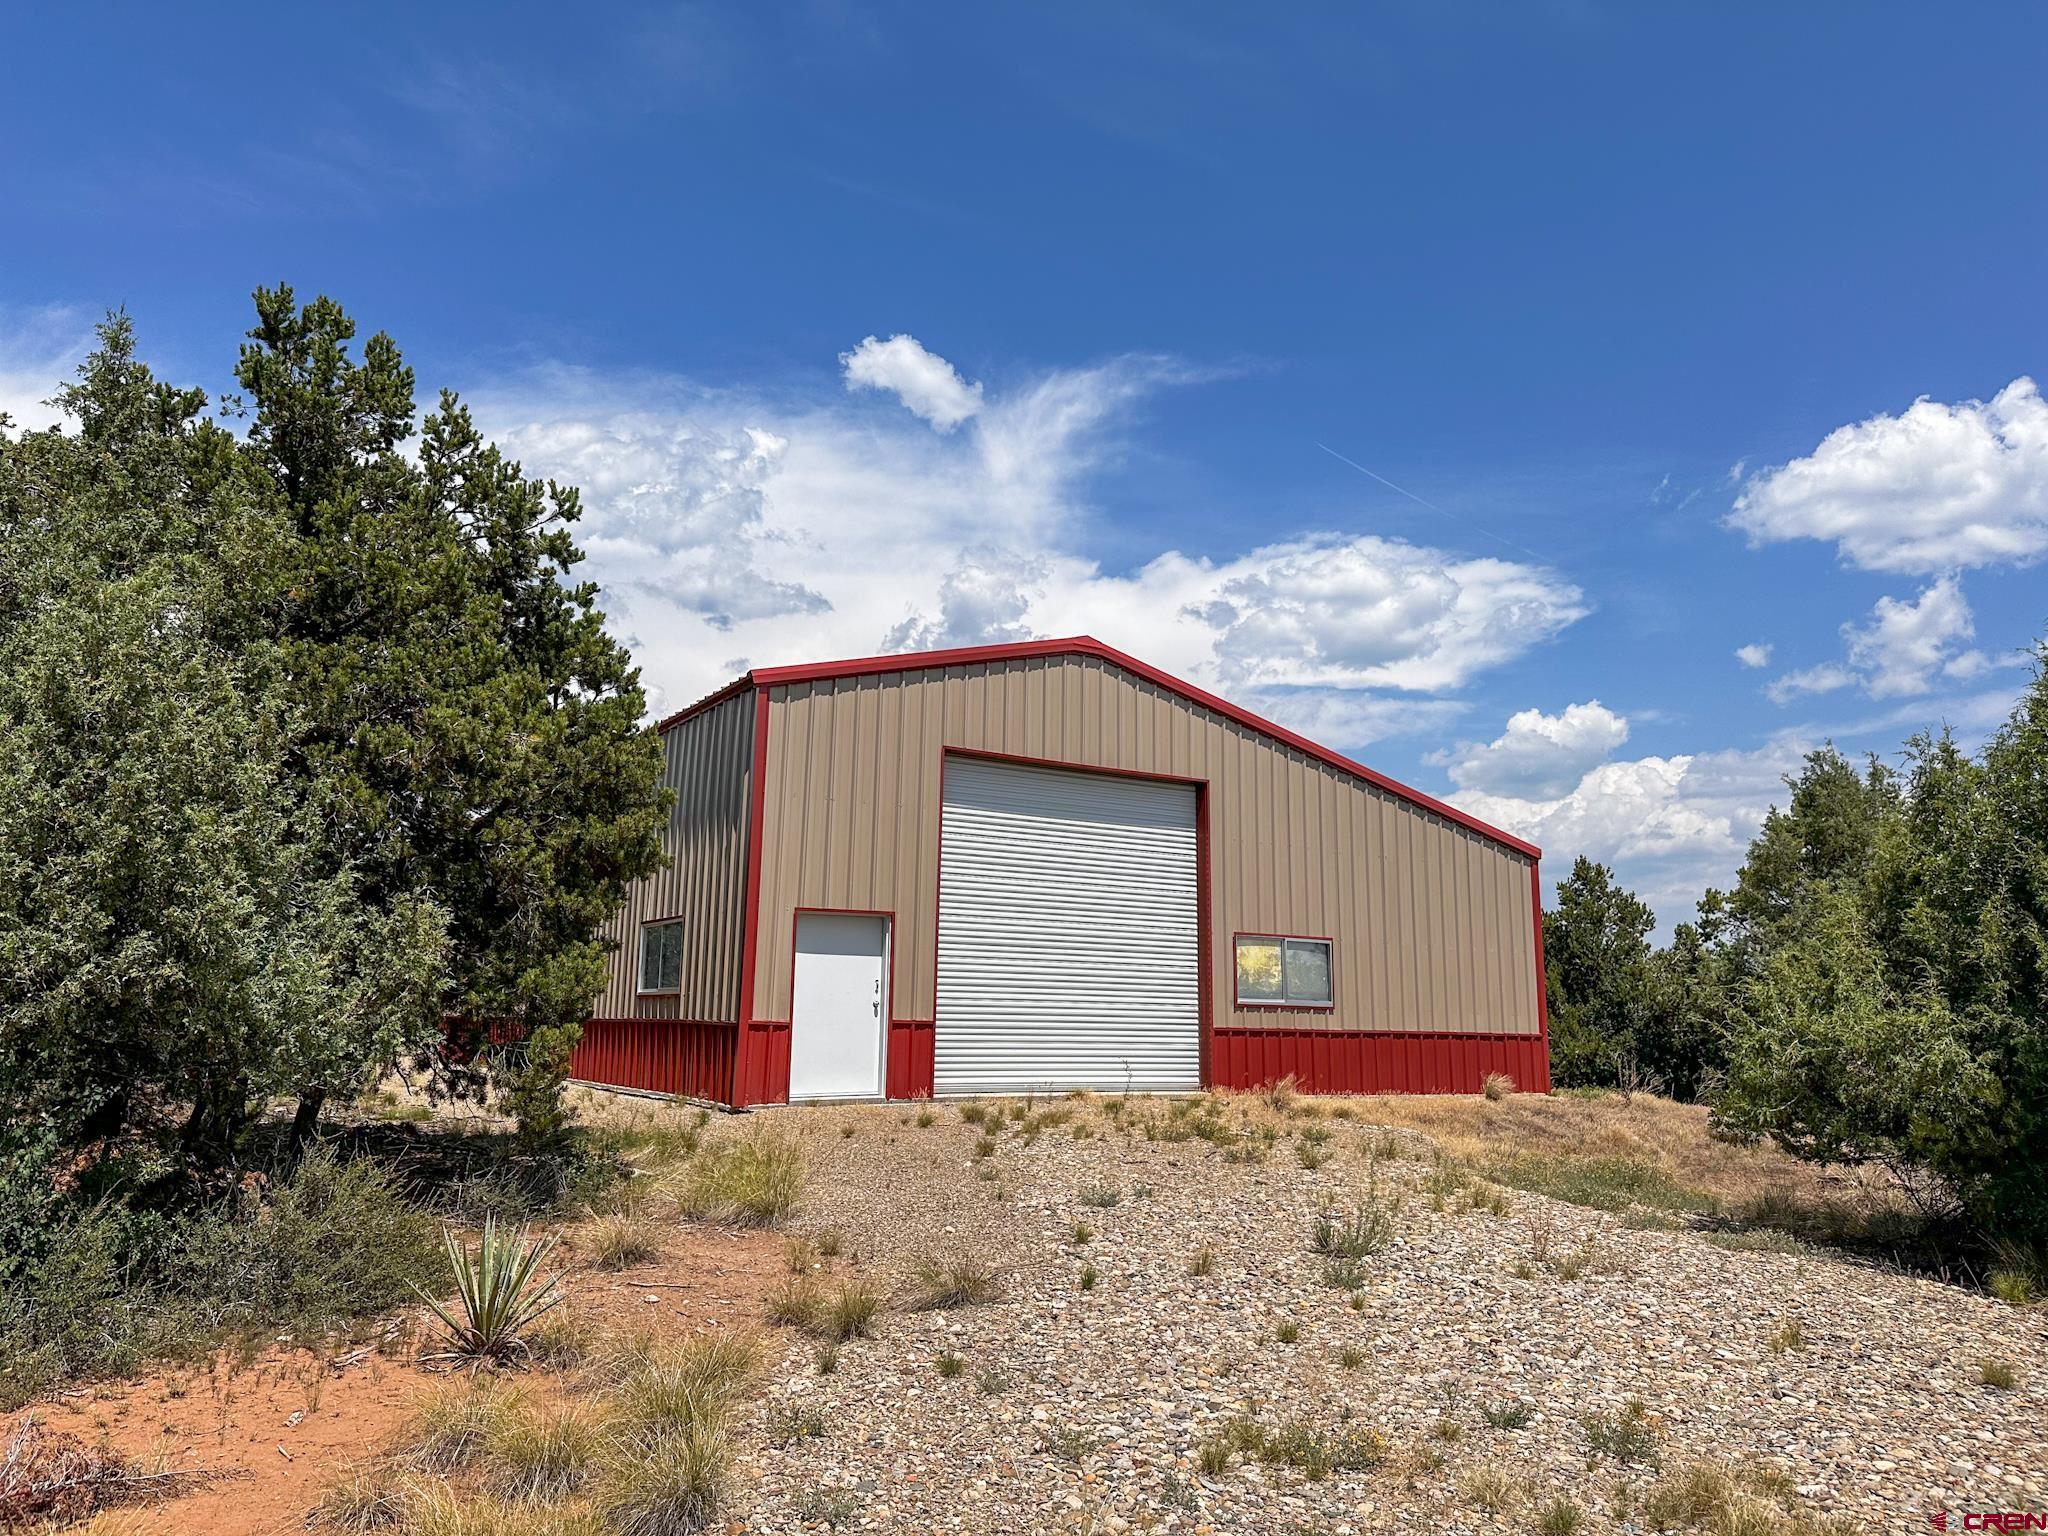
<point>709,760</point>
<point>1432,922</point>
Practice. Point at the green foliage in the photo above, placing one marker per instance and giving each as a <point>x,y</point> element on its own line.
<point>303,744</point>
<point>110,1286</point>
<point>171,934</point>
<point>471,730</point>
<point>1621,1014</point>
<point>1873,991</point>
<point>1366,1230</point>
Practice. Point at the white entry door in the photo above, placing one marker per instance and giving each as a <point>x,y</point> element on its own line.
<point>839,1013</point>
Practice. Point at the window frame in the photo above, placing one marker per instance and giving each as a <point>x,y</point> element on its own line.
<point>1283,1002</point>
<point>659,925</point>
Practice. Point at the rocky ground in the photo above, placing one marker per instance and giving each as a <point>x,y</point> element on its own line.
<point>1500,1352</point>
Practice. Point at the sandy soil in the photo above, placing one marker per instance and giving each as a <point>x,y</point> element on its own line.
<point>278,1429</point>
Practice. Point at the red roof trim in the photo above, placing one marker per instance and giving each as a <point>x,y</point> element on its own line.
<point>1088,645</point>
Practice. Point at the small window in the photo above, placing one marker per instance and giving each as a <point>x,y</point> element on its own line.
<point>1283,973</point>
<point>661,957</point>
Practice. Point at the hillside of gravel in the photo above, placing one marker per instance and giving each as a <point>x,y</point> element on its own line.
<point>1230,1315</point>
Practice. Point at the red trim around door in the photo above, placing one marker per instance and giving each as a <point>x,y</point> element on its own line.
<point>888,1021</point>
<point>1203,957</point>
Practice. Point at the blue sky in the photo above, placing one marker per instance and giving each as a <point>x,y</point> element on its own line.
<point>867,327</point>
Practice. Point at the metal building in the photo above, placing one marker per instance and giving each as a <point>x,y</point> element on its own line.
<point>1046,866</point>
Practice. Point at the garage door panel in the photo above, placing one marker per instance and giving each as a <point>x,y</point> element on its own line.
<point>1068,939</point>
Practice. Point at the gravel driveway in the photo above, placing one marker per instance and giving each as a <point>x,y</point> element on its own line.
<point>1834,1390</point>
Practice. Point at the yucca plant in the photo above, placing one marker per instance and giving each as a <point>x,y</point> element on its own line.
<point>496,1293</point>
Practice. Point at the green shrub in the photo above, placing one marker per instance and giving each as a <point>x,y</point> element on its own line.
<point>1627,1436</point>
<point>850,1311</point>
<point>2001,1375</point>
<point>111,1287</point>
<point>1366,1231</point>
<point>962,1280</point>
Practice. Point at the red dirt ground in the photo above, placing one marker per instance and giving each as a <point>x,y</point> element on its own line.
<point>280,1428</point>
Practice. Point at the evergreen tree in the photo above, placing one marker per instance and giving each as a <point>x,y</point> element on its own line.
<point>474,736</point>
<point>305,749</point>
<point>171,940</point>
<point>1596,957</point>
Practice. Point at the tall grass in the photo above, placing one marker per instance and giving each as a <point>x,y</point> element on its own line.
<point>752,1181</point>
<point>109,1288</point>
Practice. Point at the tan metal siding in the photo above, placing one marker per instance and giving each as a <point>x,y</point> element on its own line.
<point>708,761</point>
<point>1432,922</point>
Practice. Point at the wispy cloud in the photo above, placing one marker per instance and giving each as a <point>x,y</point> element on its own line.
<point>749,528</point>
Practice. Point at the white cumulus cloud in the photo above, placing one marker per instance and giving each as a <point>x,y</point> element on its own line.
<point>1754,654</point>
<point>1905,648</point>
<point>1539,755</point>
<point>1935,488</point>
<point>732,528</point>
<point>1671,826</point>
<point>922,380</point>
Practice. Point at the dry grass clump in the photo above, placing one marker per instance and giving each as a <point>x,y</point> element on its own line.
<point>660,1136</point>
<point>1560,1517</point>
<point>647,1456</point>
<point>1488,1487</point>
<point>2001,1375</point>
<point>798,1302</point>
<point>1729,1501</point>
<point>1282,1096</point>
<point>1498,1085</point>
<point>752,1181</point>
<point>539,1455</point>
<point>1203,1262</point>
<point>434,1509</point>
<point>364,1498</point>
<point>666,1480</point>
<point>699,1379</point>
<point>836,1313</point>
<point>561,1341</point>
<point>1311,1449</point>
<point>845,1311</point>
<point>450,1428</point>
<point>1786,1337</point>
<point>958,1280</point>
<point>621,1239</point>
<point>49,1479</point>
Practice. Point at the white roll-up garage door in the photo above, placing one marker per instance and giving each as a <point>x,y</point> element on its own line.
<point>1068,951</point>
